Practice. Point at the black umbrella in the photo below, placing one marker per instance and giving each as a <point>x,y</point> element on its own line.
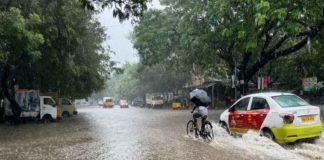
<point>200,97</point>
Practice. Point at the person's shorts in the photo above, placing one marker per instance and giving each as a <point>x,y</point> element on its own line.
<point>198,115</point>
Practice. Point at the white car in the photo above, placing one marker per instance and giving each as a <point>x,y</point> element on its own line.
<point>283,117</point>
<point>123,104</point>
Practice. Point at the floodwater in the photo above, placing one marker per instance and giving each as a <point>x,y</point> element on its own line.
<point>136,133</point>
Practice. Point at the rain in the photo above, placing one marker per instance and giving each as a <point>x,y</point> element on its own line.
<point>161,80</point>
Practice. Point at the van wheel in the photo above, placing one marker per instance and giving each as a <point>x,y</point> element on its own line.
<point>65,114</point>
<point>268,134</point>
<point>47,119</point>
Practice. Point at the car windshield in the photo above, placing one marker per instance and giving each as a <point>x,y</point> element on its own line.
<point>286,101</point>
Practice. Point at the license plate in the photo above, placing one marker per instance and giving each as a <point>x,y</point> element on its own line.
<point>307,118</point>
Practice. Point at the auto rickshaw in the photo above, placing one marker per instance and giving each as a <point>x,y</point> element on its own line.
<point>108,102</point>
<point>176,104</point>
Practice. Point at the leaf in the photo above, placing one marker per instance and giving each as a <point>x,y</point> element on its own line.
<point>251,44</point>
<point>226,32</point>
<point>260,19</point>
<point>241,34</point>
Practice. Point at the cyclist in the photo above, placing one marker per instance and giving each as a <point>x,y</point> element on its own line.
<point>203,113</point>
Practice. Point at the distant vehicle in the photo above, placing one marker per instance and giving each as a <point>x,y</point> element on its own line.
<point>138,102</point>
<point>67,107</point>
<point>282,117</point>
<point>34,106</point>
<point>100,103</point>
<point>82,102</point>
<point>177,103</point>
<point>108,102</point>
<point>154,100</point>
<point>123,104</point>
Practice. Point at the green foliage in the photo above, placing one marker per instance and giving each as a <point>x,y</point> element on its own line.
<point>18,39</point>
<point>238,35</point>
<point>123,9</point>
<point>54,46</point>
<point>136,80</point>
<point>160,38</point>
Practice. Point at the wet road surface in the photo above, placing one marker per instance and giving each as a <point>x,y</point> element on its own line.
<point>137,133</point>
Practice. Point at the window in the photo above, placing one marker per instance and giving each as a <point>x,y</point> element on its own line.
<point>49,101</point>
<point>242,105</point>
<point>286,101</point>
<point>66,102</point>
<point>259,103</point>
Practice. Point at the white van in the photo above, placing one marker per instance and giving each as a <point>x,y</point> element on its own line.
<point>34,106</point>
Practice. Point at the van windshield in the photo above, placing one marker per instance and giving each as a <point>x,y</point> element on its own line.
<point>287,101</point>
<point>157,98</point>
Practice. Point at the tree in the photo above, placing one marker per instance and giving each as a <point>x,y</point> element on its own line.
<point>160,38</point>
<point>245,35</point>
<point>80,64</point>
<point>124,9</point>
<point>138,79</point>
<point>55,46</point>
<point>291,70</point>
<point>19,44</point>
<point>52,47</point>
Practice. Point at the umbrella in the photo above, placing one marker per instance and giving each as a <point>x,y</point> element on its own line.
<point>200,97</point>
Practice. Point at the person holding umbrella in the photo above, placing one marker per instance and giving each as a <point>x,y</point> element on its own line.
<point>202,101</point>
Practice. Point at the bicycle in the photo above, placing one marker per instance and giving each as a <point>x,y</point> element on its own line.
<point>193,128</point>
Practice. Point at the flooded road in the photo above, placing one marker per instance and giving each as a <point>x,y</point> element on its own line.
<point>137,133</point>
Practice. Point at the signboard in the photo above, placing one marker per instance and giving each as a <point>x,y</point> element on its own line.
<point>265,81</point>
<point>310,83</point>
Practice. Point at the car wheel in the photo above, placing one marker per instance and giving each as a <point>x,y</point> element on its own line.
<point>47,119</point>
<point>268,134</point>
<point>65,114</point>
<point>224,126</point>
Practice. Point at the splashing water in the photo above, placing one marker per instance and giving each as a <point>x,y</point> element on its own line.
<point>253,144</point>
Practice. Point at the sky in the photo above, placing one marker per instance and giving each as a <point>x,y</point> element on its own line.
<point>118,34</point>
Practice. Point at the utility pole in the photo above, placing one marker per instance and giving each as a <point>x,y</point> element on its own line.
<point>235,79</point>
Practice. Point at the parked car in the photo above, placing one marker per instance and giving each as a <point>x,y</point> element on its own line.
<point>282,117</point>
<point>67,107</point>
<point>123,103</point>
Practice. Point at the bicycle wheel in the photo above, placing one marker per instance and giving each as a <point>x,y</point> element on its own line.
<point>209,133</point>
<point>191,130</point>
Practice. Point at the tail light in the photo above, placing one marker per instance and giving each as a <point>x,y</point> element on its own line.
<point>287,118</point>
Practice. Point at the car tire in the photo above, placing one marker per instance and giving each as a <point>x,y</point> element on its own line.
<point>224,126</point>
<point>268,134</point>
<point>65,114</point>
<point>47,119</point>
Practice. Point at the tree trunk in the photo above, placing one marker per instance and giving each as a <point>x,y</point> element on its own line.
<point>9,93</point>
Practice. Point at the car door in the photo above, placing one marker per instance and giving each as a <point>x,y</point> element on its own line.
<point>48,107</point>
<point>238,116</point>
<point>257,112</point>
<point>67,106</point>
